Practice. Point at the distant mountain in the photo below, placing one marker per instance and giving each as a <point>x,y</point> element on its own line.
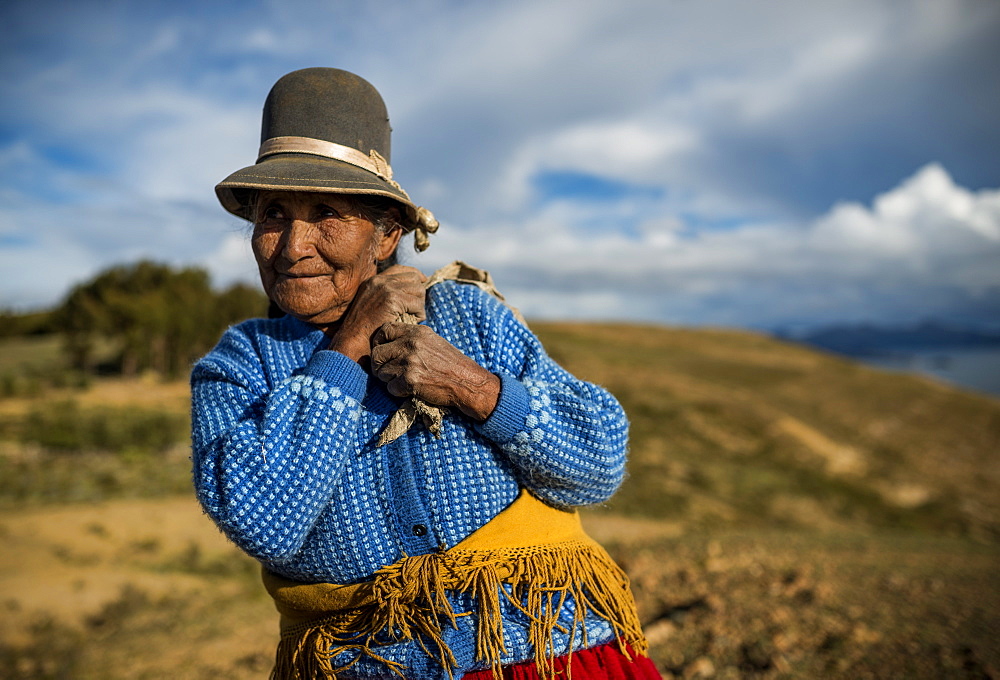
<point>734,428</point>
<point>868,339</point>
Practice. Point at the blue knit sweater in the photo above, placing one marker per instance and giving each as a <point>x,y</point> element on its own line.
<point>285,460</point>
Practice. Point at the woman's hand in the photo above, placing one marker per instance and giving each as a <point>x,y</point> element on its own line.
<point>416,361</point>
<point>383,298</point>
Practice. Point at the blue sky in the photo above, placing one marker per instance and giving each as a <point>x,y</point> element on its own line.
<point>772,163</point>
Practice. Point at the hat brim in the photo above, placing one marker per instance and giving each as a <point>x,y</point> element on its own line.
<point>301,172</point>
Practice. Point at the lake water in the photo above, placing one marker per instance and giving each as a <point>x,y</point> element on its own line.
<point>976,369</point>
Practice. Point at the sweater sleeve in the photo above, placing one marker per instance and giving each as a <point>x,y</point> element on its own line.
<point>566,437</point>
<point>266,460</point>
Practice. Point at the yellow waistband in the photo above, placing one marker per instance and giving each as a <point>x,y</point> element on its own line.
<point>525,523</point>
<point>541,553</point>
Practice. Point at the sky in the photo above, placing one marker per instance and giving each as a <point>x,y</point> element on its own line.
<point>770,164</point>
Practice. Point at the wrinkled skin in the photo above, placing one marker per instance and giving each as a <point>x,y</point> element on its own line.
<point>414,360</point>
<point>317,255</point>
<point>380,299</point>
<point>314,251</point>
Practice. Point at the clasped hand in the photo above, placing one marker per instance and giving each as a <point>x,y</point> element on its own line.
<point>412,360</point>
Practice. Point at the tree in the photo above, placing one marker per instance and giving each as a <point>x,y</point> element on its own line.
<point>157,318</point>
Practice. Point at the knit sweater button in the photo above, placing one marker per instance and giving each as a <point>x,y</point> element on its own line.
<point>419,530</point>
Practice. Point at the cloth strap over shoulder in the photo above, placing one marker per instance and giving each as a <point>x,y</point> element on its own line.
<point>463,273</point>
<point>431,415</point>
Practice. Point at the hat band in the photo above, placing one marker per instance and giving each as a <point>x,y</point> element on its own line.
<point>373,162</point>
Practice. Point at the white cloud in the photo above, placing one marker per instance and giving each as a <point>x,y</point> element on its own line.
<point>854,262</point>
<point>231,260</point>
<point>927,216</point>
<point>628,150</point>
<point>204,141</point>
<point>748,120</point>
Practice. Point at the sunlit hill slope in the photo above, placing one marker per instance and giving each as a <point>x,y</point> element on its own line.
<point>735,427</point>
<point>787,514</point>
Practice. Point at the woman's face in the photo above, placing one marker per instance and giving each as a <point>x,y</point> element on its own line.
<point>314,250</point>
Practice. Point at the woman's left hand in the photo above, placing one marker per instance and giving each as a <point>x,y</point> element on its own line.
<point>416,361</point>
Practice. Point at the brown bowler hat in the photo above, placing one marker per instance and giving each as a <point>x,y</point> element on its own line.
<point>326,130</point>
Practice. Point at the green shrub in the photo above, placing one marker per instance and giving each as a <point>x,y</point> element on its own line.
<point>89,477</point>
<point>65,426</point>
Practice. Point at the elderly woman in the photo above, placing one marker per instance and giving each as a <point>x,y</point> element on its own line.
<point>402,458</point>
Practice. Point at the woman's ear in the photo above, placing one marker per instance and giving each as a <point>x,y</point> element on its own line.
<point>388,242</point>
<point>390,239</point>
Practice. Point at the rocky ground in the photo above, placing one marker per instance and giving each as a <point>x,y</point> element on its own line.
<point>788,514</point>
<point>149,589</point>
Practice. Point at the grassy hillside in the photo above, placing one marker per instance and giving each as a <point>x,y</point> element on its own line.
<point>729,428</point>
<point>735,428</point>
<point>788,514</point>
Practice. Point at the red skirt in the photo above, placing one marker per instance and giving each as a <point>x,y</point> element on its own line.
<point>604,662</point>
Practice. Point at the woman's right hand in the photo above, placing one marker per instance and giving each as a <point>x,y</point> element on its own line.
<point>384,298</point>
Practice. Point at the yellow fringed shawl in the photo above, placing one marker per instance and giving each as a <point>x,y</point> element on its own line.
<point>542,553</point>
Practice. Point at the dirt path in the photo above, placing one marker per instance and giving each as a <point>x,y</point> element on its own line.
<point>70,562</point>
<point>149,588</point>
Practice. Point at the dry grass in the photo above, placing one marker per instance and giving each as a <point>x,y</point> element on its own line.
<point>149,589</point>
<point>129,589</point>
<point>731,427</point>
<point>773,604</point>
<point>788,515</point>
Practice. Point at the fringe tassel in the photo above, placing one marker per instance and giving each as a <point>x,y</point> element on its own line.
<point>308,652</point>
<point>409,601</point>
